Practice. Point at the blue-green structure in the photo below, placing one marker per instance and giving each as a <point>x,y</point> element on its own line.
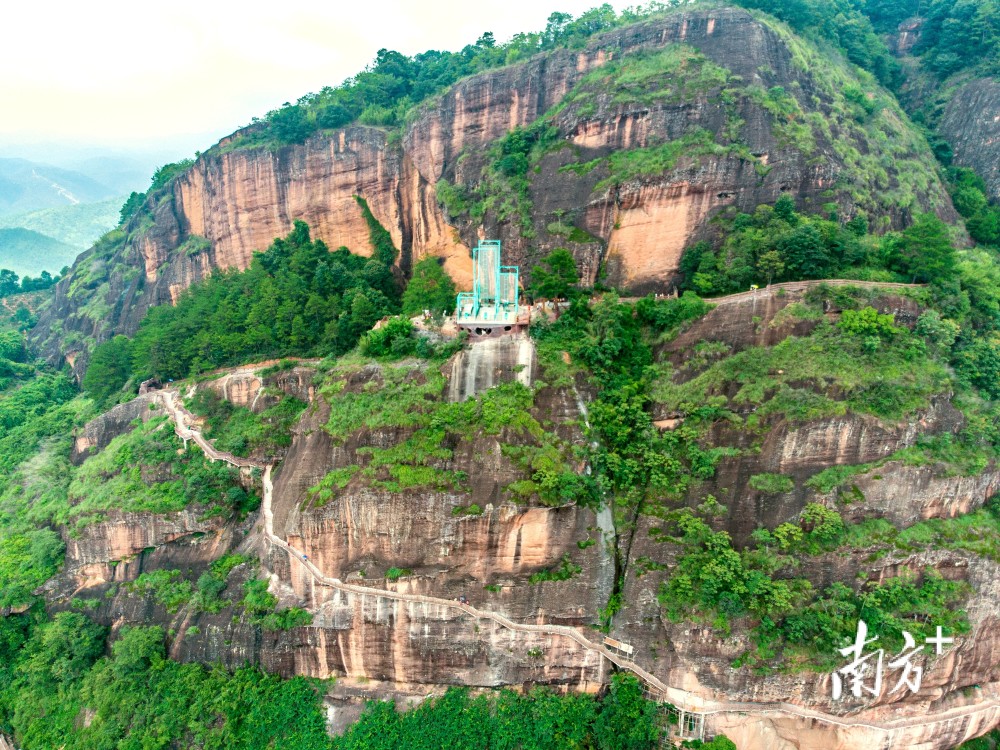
<point>493,300</point>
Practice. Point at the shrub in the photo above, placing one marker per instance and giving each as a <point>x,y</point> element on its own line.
<point>286,619</point>
<point>557,278</point>
<point>868,322</point>
<point>430,288</point>
<point>395,338</point>
<point>772,484</point>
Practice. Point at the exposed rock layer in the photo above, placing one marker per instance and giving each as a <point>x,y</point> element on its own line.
<point>239,199</point>
<point>971,124</point>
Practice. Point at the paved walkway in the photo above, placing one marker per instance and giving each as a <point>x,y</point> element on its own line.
<point>797,286</point>
<point>682,699</point>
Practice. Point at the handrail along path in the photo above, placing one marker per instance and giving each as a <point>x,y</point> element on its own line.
<point>684,700</point>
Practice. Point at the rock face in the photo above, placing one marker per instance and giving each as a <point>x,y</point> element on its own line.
<point>441,547</point>
<point>97,433</point>
<point>906,37</point>
<point>971,124</point>
<point>239,199</point>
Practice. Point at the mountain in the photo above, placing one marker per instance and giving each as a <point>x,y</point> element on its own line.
<point>79,225</point>
<point>623,151</point>
<point>735,486</point>
<point>28,253</point>
<point>29,186</point>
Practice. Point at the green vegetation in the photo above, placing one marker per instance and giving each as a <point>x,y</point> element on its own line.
<point>297,298</point>
<point>388,91</point>
<point>26,562</point>
<point>842,22</point>
<point>631,164</point>
<point>27,251</point>
<point>53,670</point>
<point>143,471</point>
<point>557,279</point>
<point>772,484</point>
<point>889,380</point>
<point>540,719</point>
<point>778,244</point>
<point>982,218</point>
<point>161,177</point>
<point>795,626</point>
<point>504,185</point>
<point>954,36</point>
<point>168,587</point>
<point>259,607</point>
<point>430,288</point>
<point>36,424</point>
<point>136,697</point>
<point>211,583</point>
<point>411,397</point>
<point>675,73</point>
<point>11,285</point>
<point>320,494</point>
<point>109,369</point>
<point>987,742</point>
<point>41,408</point>
<point>78,225</point>
<point>237,430</point>
<point>563,572</point>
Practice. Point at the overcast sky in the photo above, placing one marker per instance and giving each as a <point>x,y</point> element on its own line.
<point>185,72</point>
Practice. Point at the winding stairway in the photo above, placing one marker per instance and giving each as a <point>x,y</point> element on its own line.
<point>694,712</point>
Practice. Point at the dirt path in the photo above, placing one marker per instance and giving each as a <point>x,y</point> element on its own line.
<point>682,699</point>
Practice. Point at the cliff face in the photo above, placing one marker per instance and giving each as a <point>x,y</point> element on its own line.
<point>971,124</point>
<point>440,546</point>
<point>758,93</point>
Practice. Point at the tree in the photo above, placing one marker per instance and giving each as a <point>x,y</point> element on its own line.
<point>719,742</point>
<point>8,282</point>
<point>109,369</point>
<point>12,345</point>
<point>770,264</point>
<point>63,649</point>
<point>557,278</point>
<point>784,209</point>
<point>627,721</point>
<point>927,255</point>
<point>394,338</point>
<point>132,204</point>
<point>430,288</point>
<point>805,253</point>
<point>291,124</point>
<point>334,116</point>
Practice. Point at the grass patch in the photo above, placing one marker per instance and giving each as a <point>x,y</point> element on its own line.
<point>237,430</point>
<point>772,484</point>
<point>148,470</point>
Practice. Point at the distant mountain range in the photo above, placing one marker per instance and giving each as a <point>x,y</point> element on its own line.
<point>30,186</point>
<point>49,214</point>
<point>78,225</point>
<point>28,253</point>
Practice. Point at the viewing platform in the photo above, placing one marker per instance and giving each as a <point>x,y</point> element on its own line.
<point>492,307</point>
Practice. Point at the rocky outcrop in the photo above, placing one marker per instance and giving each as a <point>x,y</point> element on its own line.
<point>97,433</point>
<point>239,199</point>
<point>971,124</point>
<point>490,362</point>
<point>257,388</point>
<point>443,548</point>
<point>906,37</point>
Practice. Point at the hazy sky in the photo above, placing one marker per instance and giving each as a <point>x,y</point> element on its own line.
<point>189,71</point>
